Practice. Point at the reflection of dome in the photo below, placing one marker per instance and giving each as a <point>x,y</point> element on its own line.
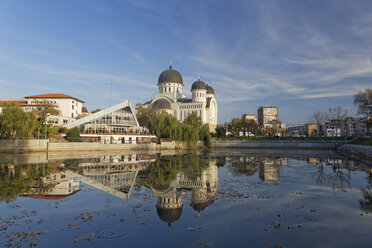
<point>161,104</point>
<point>170,76</point>
<point>198,85</point>
<point>210,90</point>
<point>199,206</point>
<point>160,187</point>
<point>169,215</point>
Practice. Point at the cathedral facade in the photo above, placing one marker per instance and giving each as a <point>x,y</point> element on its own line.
<point>171,100</point>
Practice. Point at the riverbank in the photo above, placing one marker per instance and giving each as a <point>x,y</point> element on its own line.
<point>358,152</point>
<point>34,145</point>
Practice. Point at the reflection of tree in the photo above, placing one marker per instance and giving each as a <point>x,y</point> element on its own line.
<point>166,168</point>
<point>244,166</point>
<point>337,179</point>
<point>20,179</point>
<point>366,203</point>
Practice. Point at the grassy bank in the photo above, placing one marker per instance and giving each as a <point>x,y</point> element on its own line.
<point>362,141</point>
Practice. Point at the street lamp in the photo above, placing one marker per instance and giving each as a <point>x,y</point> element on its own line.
<point>45,123</point>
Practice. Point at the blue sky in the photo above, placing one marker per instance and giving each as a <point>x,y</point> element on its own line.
<point>300,55</point>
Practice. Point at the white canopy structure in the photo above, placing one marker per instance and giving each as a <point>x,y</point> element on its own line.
<point>118,118</point>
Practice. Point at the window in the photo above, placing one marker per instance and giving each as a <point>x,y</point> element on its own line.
<point>72,115</point>
<point>53,121</point>
<point>64,121</point>
<point>73,106</point>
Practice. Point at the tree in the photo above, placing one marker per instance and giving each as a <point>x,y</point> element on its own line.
<point>167,126</point>
<point>220,132</point>
<point>364,101</point>
<point>73,134</point>
<point>15,123</point>
<point>193,130</point>
<point>250,125</point>
<point>318,117</point>
<point>236,125</point>
<point>336,113</point>
<point>144,116</point>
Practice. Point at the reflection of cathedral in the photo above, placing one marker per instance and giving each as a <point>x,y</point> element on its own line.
<point>204,189</point>
<point>171,100</point>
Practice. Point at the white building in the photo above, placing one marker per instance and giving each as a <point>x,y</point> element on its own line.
<point>171,100</point>
<point>67,105</point>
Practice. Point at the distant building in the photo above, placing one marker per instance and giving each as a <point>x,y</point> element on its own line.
<point>250,116</point>
<point>308,130</point>
<point>266,114</point>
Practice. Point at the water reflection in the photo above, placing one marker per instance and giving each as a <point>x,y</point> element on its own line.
<point>170,177</point>
<point>268,168</point>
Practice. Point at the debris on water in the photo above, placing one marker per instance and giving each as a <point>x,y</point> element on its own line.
<point>193,229</point>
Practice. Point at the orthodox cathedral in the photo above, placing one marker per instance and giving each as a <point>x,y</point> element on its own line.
<point>171,100</point>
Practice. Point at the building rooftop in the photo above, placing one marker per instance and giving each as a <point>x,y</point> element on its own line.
<point>54,95</point>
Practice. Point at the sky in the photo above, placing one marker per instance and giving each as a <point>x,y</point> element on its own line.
<point>300,55</point>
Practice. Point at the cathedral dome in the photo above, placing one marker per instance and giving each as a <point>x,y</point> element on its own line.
<point>170,76</point>
<point>210,90</point>
<point>169,215</point>
<point>161,104</point>
<point>198,85</point>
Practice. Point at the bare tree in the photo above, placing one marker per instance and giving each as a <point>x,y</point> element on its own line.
<point>364,101</point>
<point>318,117</point>
<point>336,113</point>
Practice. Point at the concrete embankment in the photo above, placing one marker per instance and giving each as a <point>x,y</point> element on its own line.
<point>19,146</point>
<point>278,144</point>
<point>362,153</point>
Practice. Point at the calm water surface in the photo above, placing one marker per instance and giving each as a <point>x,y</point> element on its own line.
<point>222,198</point>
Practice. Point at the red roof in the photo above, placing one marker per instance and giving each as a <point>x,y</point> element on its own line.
<point>54,95</point>
<point>16,102</point>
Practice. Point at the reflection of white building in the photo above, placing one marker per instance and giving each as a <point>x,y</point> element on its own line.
<point>171,100</point>
<point>55,184</point>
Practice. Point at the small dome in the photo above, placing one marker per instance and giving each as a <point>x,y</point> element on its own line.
<point>161,104</point>
<point>198,85</point>
<point>210,90</point>
<point>169,215</point>
<point>170,76</point>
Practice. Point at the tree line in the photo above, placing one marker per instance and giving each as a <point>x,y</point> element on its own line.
<point>16,123</point>
<point>167,126</point>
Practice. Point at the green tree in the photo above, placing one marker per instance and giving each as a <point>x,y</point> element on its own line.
<point>193,130</point>
<point>220,132</point>
<point>145,116</point>
<point>167,126</point>
<point>15,123</point>
<point>364,101</point>
<point>74,134</point>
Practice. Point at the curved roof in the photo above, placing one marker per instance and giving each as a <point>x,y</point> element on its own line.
<point>169,215</point>
<point>170,76</point>
<point>198,85</point>
<point>161,104</point>
<point>210,90</point>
